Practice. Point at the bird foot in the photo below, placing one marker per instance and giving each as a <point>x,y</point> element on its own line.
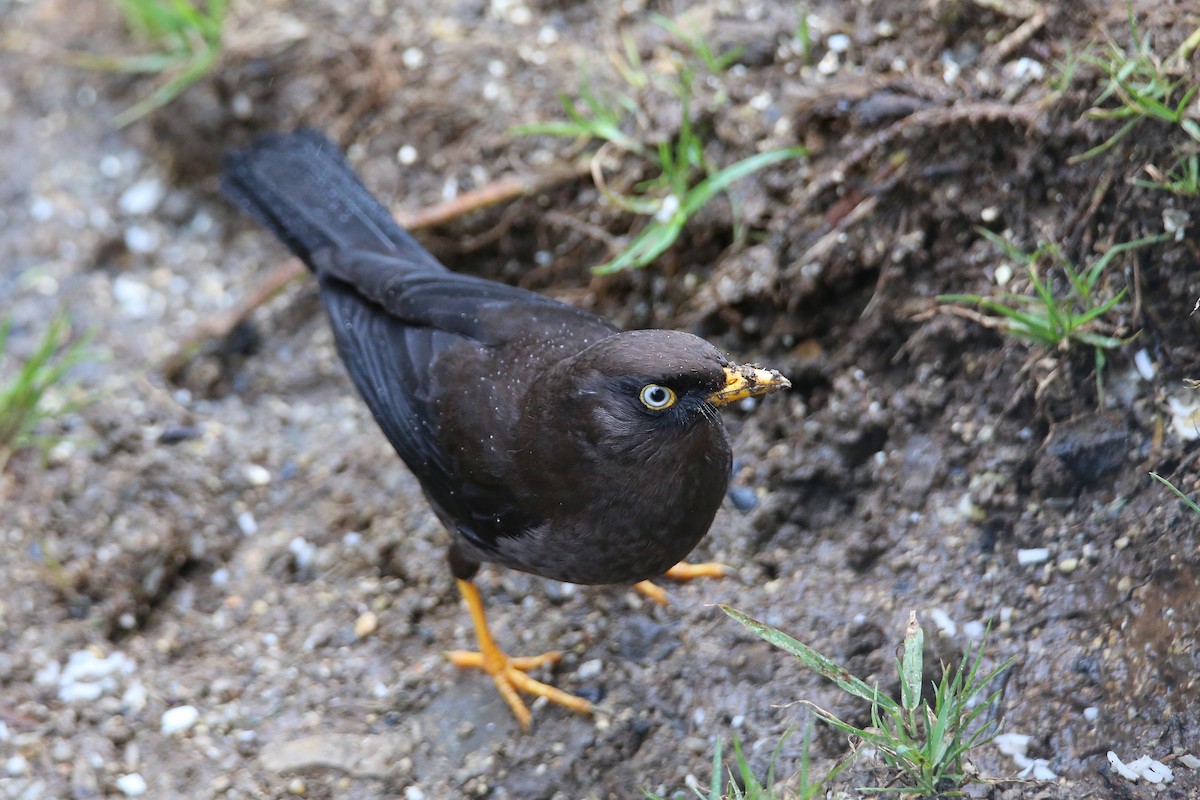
<point>509,673</point>
<point>510,678</point>
<point>683,571</point>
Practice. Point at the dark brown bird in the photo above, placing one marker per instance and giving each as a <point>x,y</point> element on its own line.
<point>545,440</point>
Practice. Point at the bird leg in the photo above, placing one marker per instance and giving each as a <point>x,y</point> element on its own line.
<point>509,673</point>
<point>683,571</point>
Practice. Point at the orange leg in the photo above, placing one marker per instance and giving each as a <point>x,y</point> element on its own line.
<point>683,571</point>
<point>509,673</point>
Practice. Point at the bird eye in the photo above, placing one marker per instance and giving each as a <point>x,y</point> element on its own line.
<point>656,397</point>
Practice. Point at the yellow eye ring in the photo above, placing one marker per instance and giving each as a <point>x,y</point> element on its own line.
<point>657,397</point>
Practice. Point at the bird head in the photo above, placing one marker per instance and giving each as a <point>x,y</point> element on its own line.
<point>639,390</point>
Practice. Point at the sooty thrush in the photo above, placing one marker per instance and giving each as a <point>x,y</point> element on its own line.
<point>545,439</point>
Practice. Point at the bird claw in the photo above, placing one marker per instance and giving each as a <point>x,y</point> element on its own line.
<point>683,571</point>
<point>509,676</point>
<point>509,673</point>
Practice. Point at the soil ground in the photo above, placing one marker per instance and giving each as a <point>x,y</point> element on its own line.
<point>237,537</point>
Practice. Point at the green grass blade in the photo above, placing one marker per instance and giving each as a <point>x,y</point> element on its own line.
<point>812,659</point>
<point>719,181</point>
<point>1187,500</point>
<point>714,783</point>
<point>912,665</point>
<point>1107,144</point>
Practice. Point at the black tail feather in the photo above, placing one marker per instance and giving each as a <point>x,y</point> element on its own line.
<point>302,188</point>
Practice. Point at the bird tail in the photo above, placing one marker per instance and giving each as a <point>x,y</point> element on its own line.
<point>302,188</point>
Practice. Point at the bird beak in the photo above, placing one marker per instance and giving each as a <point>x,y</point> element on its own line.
<point>745,381</point>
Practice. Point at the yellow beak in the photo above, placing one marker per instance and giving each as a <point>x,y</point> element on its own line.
<point>748,380</point>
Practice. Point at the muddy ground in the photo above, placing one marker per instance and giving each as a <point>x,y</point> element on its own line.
<point>235,536</point>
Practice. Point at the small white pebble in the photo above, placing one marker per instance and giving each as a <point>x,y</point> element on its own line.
<point>1033,555</point>
<point>1068,565</point>
<point>134,698</point>
<point>303,552</point>
<point>1145,367</point>
<point>974,630</point>
<point>16,766</point>
<point>1091,713</point>
<point>201,224</point>
<point>76,692</point>
<point>838,42</point>
<point>1012,744</point>
<point>1039,770</point>
<point>110,166</point>
<point>951,69</point>
<point>828,63</point>
<point>1003,275</point>
<point>246,523</point>
<point>242,106</point>
<point>132,296</point>
<point>1176,221</point>
<point>1185,418</point>
<point>366,624</point>
<point>670,205</point>
<point>41,209</point>
<point>413,57</point>
<point>143,197</point>
<point>414,793</point>
<point>990,214</point>
<point>297,786</point>
<point>132,785</point>
<point>761,101</point>
<point>179,719</point>
<point>943,622</point>
<point>256,475</point>
<point>1189,761</point>
<point>407,155</point>
<point>590,669</point>
<point>139,239</point>
<point>698,716</point>
<point>1025,69</point>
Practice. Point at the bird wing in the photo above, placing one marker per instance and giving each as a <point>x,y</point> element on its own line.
<point>396,312</point>
<point>394,352</point>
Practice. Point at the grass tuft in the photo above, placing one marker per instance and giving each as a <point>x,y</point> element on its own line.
<point>24,395</point>
<point>185,43</point>
<point>685,180</point>
<point>1182,179</point>
<point>1139,87</point>
<point>743,783</point>
<point>1050,316</point>
<point>926,746</point>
